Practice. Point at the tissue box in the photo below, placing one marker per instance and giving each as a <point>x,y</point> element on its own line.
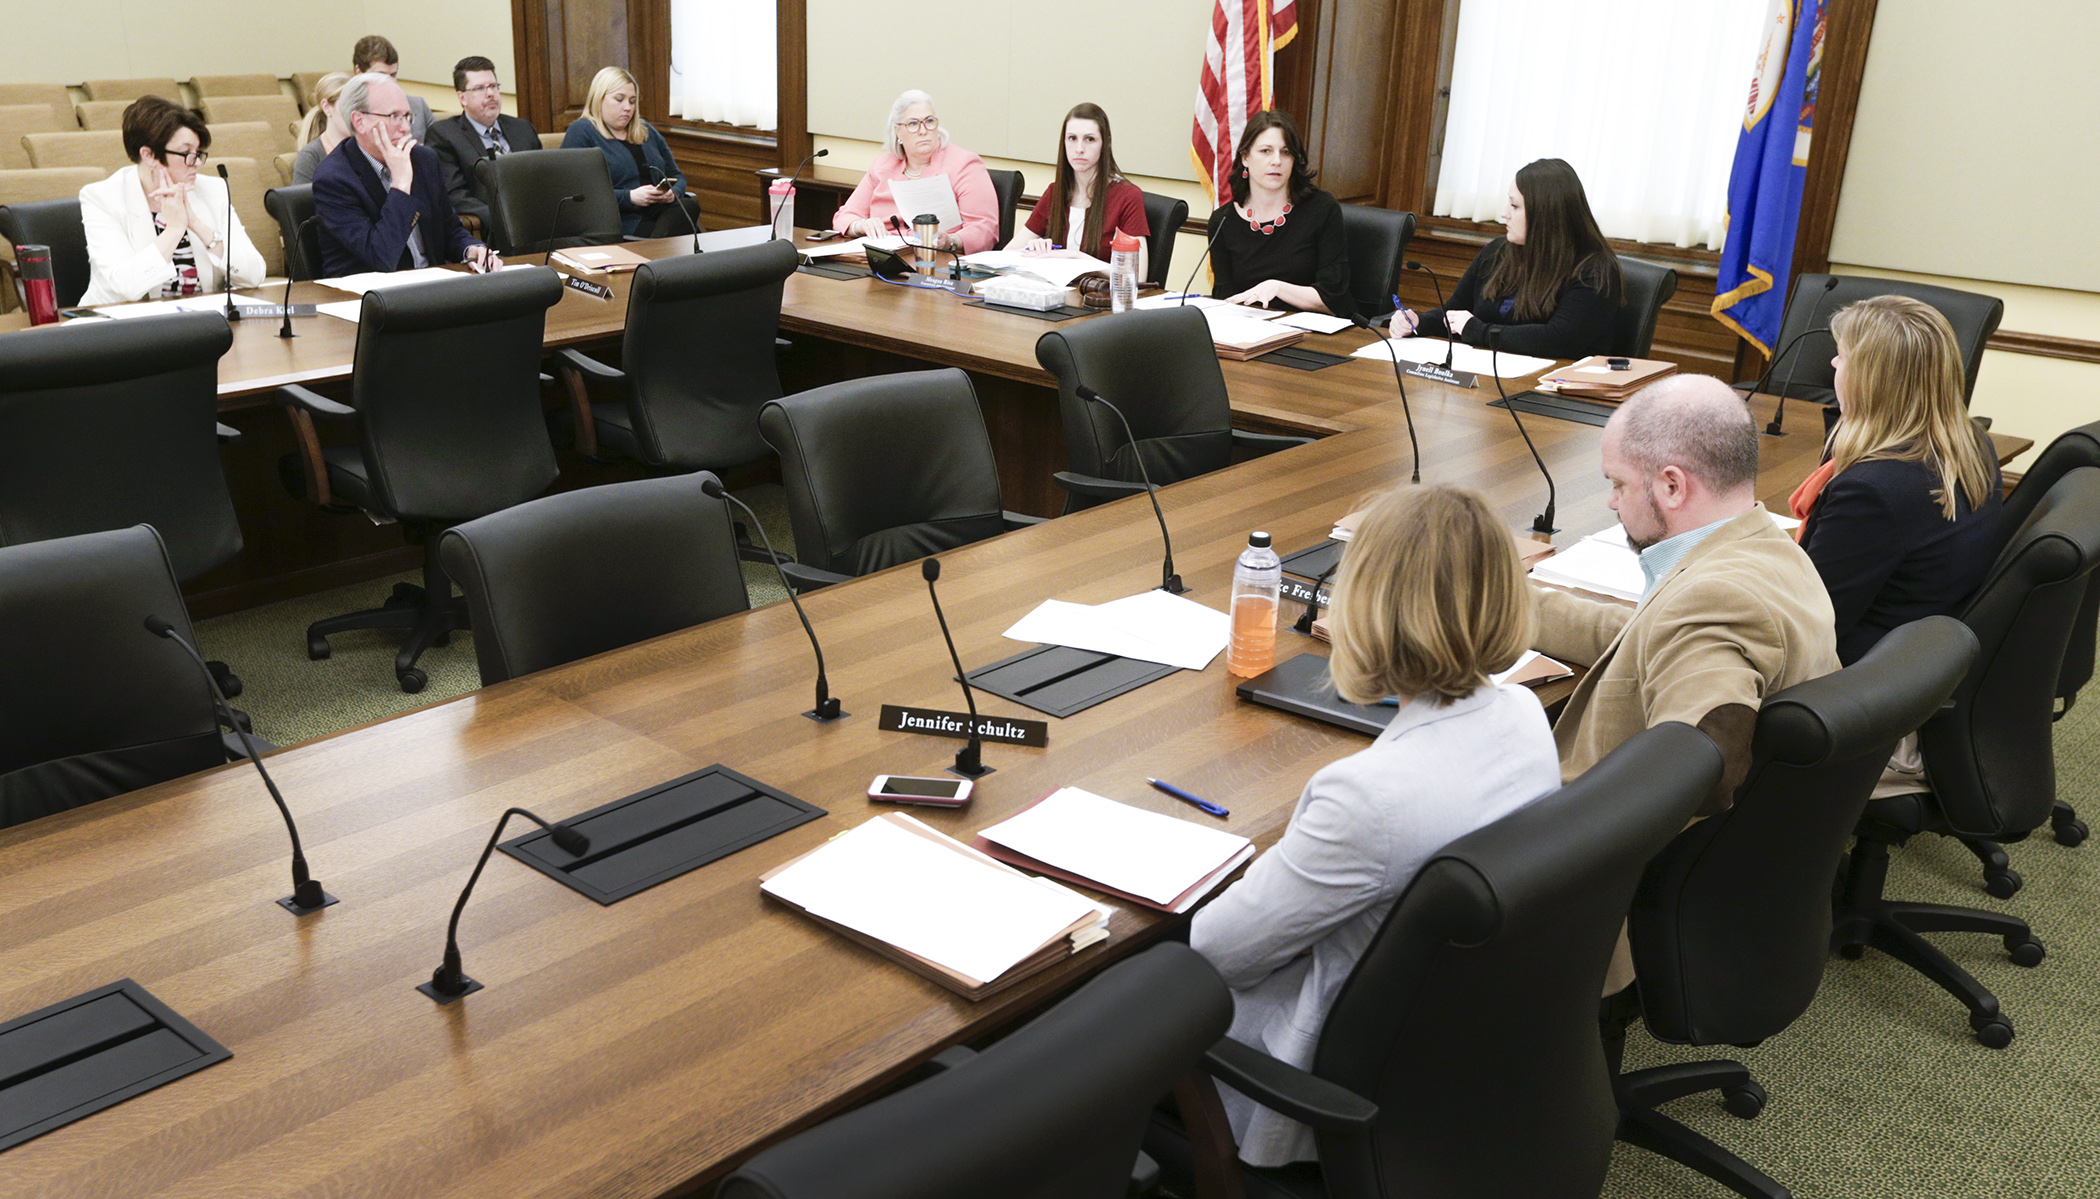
<point>1023,292</point>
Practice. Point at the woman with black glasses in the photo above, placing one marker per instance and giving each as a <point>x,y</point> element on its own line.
<point>153,228</point>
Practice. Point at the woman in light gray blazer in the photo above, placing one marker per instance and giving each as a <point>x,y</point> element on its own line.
<point>1428,602</point>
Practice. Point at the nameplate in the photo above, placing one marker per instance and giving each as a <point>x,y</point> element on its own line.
<point>1301,591</point>
<point>587,287</point>
<point>1437,372</point>
<point>935,723</point>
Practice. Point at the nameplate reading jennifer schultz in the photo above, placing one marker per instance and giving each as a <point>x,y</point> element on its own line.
<point>934,722</point>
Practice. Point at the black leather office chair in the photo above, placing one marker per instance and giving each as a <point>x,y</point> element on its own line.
<point>1645,287</point>
<point>698,361</point>
<point>1165,215</point>
<point>293,206</point>
<point>567,576</point>
<point>1058,1108</point>
<point>1990,755</point>
<point>1378,240</point>
<point>108,424</point>
<point>1731,925</point>
<point>53,223</point>
<point>94,705</point>
<point>1007,186</point>
<point>1806,374</point>
<point>445,394</point>
<point>2079,447</point>
<point>1160,368</point>
<point>883,470</point>
<point>1461,1058</point>
<point>527,212</point>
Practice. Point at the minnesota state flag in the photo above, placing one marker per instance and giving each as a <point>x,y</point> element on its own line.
<point>1771,165</point>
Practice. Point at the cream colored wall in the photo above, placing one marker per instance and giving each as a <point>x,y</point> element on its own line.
<point>121,39</point>
<point>1972,167</point>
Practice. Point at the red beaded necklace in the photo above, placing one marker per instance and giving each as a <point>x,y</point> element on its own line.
<point>1269,227</point>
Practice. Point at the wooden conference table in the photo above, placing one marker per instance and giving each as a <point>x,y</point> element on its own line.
<point>643,1049</point>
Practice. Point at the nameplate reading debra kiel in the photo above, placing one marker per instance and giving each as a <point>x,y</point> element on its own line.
<point>936,723</point>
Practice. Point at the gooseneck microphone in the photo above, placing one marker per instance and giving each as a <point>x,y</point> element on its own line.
<point>449,981</point>
<point>1169,581</point>
<point>226,236</point>
<point>307,897</point>
<point>827,709</point>
<point>1450,339</point>
<point>554,227</point>
<point>969,760</point>
<point>1399,378</point>
<point>799,167</point>
<point>1312,604</point>
<point>299,236</point>
<point>1778,426</point>
<point>1544,522</point>
<point>1201,259</point>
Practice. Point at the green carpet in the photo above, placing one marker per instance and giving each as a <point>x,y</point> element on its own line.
<point>1879,1092</point>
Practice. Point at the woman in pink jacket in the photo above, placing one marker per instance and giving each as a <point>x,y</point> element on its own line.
<point>916,147</point>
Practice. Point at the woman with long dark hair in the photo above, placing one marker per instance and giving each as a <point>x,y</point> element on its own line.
<point>1549,286</point>
<point>1280,243</point>
<point>1101,202</point>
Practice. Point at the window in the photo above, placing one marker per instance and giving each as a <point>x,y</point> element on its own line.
<point>1644,98</point>
<point>724,62</point>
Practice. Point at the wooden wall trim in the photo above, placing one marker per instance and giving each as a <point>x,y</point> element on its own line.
<point>528,48</point>
<point>2044,345</point>
<point>1837,101</point>
<point>792,30</point>
<point>1418,39</point>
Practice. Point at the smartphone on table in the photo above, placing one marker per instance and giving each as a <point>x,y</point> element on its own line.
<point>915,789</point>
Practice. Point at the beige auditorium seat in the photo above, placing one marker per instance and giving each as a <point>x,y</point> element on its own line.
<point>18,119</point>
<point>131,89</point>
<point>51,95</point>
<point>284,164</point>
<point>104,149</point>
<point>28,187</point>
<point>103,115</point>
<point>248,139</point>
<point>250,181</point>
<point>304,82</point>
<point>280,112</point>
<point>209,86</point>
<point>551,141</point>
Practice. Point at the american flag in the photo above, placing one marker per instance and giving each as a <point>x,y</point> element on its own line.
<point>1236,83</point>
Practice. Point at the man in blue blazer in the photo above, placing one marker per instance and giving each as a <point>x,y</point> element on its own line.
<point>381,197</point>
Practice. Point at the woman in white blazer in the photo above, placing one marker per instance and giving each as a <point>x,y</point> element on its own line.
<point>154,228</point>
<point>1428,602</point>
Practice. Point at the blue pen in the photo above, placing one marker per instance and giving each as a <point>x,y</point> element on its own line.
<point>1185,797</point>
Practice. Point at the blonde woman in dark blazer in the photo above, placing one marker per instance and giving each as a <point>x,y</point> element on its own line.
<point>1429,601</point>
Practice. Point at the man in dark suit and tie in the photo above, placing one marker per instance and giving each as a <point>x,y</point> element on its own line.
<point>381,197</point>
<point>480,131</point>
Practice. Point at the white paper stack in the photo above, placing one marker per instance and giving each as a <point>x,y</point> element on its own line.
<point>1162,861</point>
<point>1151,626</point>
<point>373,280</point>
<point>956,915</point>
<point>1471,359</point>
<point>1604,563</point>
<point>1059,270</point>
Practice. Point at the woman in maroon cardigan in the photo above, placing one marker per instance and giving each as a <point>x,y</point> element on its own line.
<point>1101,202</point>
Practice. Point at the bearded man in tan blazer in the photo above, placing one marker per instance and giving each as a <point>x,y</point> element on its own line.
<point>1734,610</point>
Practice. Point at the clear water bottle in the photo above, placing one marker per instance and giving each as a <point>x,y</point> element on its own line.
<point>1257,583</point>
<point>1122,271</point>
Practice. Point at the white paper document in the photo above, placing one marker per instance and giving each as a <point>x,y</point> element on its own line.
<point>1129,849</point>
<point>1598,566</point>
<point>1152,626</point>
<point>904,890</point>
<point>931,194</point>
<point>208,302</point>
<point>373,280</point>
<point>1053,269</point>
<point>1525,659</point>
<point>1314,322</point>
<point>346,310</point>
<point>1470,359</point>
<point>833,249</point>
<point>1173,299</point>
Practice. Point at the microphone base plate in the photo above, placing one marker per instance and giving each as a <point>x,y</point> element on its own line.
<point>1174,586</point>
<point>440,998</point>
<point>978,773</point>
<point>813,714</point>
<point>292,905</point>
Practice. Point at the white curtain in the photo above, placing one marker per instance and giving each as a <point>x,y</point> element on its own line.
<point>724,62</point>
<point>1644,98</point>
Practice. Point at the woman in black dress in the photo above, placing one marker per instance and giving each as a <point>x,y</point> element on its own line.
<point>1280,243</point>
<point>1549,286</point>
